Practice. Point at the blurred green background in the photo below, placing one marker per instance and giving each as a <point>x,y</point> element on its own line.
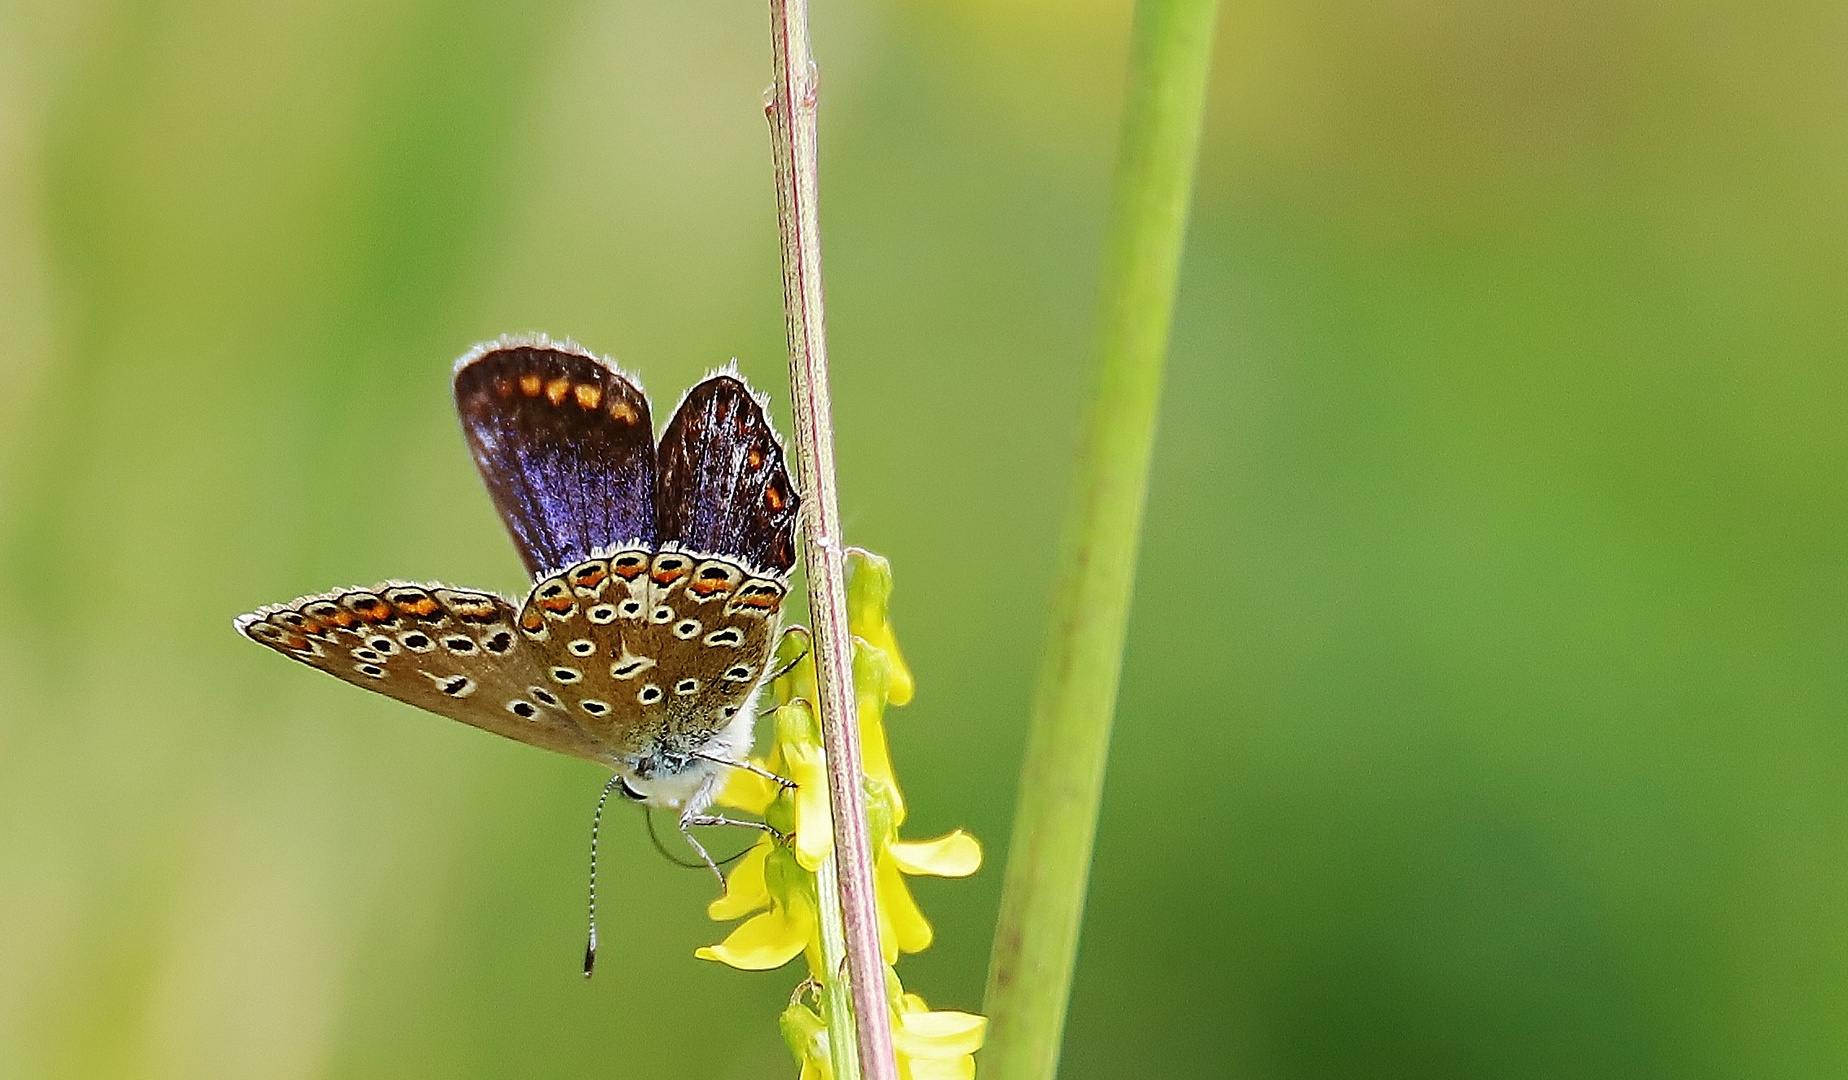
<point>1483,714</point>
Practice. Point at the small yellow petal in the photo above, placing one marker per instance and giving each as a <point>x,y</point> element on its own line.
<point>945,1030</point>
<point>768,941</point>
<point>955,855</point>
<point>747,791</point>
<point>870,676</point>
<point>911,932</point>
<point>814,820</point>
<point>745,889</point>
<point>869,595</point>
<point>940,1034</point>
<point>956,1068</point>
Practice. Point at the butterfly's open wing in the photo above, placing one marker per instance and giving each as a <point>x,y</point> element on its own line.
<point>565,444</point>
<point>454,652</point>
<point>724,487</point>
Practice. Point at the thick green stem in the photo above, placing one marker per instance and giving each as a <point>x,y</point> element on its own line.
<point>1061,784</point>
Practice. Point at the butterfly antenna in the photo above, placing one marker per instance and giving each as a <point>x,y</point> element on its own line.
<point>596,821</point>
<point>654,836</point>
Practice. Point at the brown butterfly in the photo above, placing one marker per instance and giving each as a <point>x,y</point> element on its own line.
<point>659,576</point>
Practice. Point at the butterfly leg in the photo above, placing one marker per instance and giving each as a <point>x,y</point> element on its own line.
<point>689,821</point>
<point>783,782</point>
<point>790,665</point>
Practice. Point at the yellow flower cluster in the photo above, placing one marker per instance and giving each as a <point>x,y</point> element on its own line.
<point>775,882</point>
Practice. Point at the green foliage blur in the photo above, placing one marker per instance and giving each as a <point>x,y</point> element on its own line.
<point>1483,714</point>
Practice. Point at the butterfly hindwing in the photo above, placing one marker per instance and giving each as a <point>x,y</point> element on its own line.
<point>454,652</point>
<point>565,445</point>
<point>724,486</point>
<point>652,652</point>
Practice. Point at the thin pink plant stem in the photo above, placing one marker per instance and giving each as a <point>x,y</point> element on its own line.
<point>791,109</point>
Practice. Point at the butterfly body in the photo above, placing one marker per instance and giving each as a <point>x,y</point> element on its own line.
<point>659,576</point>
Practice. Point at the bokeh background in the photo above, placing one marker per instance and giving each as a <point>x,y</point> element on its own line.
<point>1483,714</point>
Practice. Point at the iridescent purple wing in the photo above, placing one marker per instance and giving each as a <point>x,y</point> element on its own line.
<point>565,444</point>
<point>724,487</point>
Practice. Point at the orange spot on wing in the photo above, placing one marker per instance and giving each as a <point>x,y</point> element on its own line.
<point>622,412</point>
<point>372,609</point>
<point>630,567</point>
<point>531,620</point>
<point>421,607</point>
<point>531,384</point>
<point>588,395</point>
<point>558,605</point>
<point>759,597</point>
<point>556,390</point>
<point>774,498</point>
<point>755,457</point>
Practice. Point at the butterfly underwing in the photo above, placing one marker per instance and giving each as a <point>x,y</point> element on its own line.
<point>659,575</point>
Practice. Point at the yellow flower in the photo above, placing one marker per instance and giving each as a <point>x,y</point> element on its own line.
<point>767,876</point>
<point>775,882</point>
<point>935,1045</point>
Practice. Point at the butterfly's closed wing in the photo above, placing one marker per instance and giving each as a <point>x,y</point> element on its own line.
<point>565,444</point>
<point>725,489</point>
<point>653,653</point>
<point>454,652</point>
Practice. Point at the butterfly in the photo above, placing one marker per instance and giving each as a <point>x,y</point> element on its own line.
<point>659,572</point>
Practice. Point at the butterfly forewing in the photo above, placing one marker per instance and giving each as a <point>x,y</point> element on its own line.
<point>565,445</point>
<point>454,652</point>
<point>724,488</point>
